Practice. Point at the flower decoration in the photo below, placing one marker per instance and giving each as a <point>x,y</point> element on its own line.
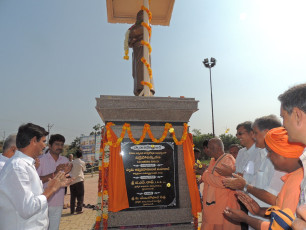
<point>148,27</point>
<point>148,12</point>
<point>144,61</point>
<point>146,129</point>
<point>147,44</point>
<point>126,45</point>
<point>147,84</point>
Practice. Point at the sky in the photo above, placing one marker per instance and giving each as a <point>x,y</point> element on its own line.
<point>57,56</point>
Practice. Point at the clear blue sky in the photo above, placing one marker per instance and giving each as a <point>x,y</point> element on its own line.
<point>57,56</point>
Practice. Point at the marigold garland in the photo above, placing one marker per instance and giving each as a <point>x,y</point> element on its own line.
<point>147,84</point>
<point>146,129</point>
<point>148,27</point>
<point>147,44</point>
<point>102,212</point>
<point>148,12</point>
<point>144,61</point>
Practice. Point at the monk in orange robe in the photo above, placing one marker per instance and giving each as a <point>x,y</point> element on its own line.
<point>215,196</point>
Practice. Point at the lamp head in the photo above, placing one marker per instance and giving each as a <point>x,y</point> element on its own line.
<point>205,62</point>
<point>213,61</point>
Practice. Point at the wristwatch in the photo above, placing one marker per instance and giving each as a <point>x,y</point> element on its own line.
<point>245,189</point>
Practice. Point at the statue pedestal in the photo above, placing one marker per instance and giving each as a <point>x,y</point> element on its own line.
<point>155,111</point>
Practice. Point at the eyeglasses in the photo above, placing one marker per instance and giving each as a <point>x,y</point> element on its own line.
<point>240,133</point>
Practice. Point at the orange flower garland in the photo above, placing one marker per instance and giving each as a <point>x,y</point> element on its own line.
<point>146,129</point>
<point>147,84</point>
<point>144,61</point>
<point>149,29</point>
<point>148,12</point>
<point>147,44</point>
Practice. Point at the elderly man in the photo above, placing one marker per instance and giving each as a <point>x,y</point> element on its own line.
<point>23,202</point>
<point>293,112</point>
<point>215,196</point>
<point>285,157</point>
<point>50,164</point>
<point>9,148</point>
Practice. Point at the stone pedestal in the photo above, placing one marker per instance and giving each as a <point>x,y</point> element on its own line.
<point>155,111</point>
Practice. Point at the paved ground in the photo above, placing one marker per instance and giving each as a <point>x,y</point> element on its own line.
<point>87,219</point>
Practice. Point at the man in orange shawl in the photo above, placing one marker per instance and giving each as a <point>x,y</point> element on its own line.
<point>285,157</point>
<point>215,196</point>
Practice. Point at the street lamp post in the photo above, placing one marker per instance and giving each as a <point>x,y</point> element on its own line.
<point>210,64</point>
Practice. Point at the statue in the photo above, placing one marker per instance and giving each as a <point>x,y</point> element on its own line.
<point>134,41</point>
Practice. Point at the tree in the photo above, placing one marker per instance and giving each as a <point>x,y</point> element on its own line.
<point>196,132</point>
<point>75,145</point>
<point>198,139</point>
<point>97,130</point>
<point>228,139</point>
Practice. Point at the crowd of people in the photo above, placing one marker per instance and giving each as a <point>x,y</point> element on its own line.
<point>264,185</point>
<point>259,186</point>
<point>33,181</point>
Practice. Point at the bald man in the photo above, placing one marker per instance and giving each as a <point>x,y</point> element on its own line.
<point>215,196</point>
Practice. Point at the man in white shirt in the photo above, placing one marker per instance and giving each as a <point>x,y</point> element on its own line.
<point>77,186</point>
<point>248,158</point>
<point>9,148</point>
<point>23,202</point>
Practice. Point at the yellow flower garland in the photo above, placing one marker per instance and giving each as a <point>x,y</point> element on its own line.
<point>148,12</point>
<point>146,129</point>
<point>147,44</point>
<point>149,29</point>
<point>147,84</point>
<point>144,61</point>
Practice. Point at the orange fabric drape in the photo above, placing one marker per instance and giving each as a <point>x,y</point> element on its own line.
<point>117,192</point>
<point>191,178</point>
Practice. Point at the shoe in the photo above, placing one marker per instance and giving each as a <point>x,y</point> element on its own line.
<point>80,212</point>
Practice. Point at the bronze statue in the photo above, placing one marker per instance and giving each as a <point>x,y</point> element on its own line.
<point>135,37</point>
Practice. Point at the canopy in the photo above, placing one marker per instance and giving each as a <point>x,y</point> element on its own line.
<point>125,11</point>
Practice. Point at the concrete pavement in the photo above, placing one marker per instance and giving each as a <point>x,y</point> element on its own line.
<point>86,220</point>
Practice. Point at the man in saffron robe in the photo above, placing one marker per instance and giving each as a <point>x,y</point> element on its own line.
<point>285,157</point>
<point>215,196</point>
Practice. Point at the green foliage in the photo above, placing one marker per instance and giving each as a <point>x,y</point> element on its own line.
<point>228,139</point>
<point>198,139</point>
<point>196,132</point>
<point>75,144</point>
<point>97,130</point>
